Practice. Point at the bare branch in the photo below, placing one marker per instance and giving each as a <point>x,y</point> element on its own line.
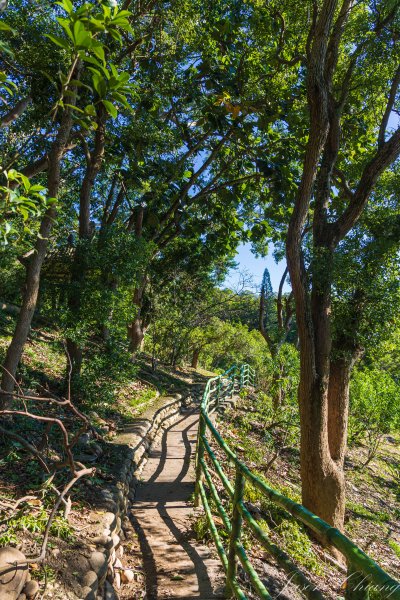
<point>42,555</point>
<point>383,158</point>
<point>27,445</point>
<point>340,178</point>
<point>15,112</point>
<point>334,42</point>
<point>389,107</point>
<point>279,303</point>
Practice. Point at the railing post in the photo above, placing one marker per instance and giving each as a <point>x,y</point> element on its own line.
<point>356,585</point>
<point>235,378</point>
<point>236,530</point>
<point>218,390</point>
<point>199,455</point>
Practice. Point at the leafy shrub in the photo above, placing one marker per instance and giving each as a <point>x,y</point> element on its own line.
<point>297,544</point>
<point>395,547</point>
<point>374,408</point>
<point>101,374</point>
<point>35,523</point>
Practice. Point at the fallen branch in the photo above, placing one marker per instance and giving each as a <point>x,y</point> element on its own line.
<point>27,445</point>
<point>42,555</point>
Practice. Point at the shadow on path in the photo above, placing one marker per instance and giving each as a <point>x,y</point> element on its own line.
<point>176,566</point>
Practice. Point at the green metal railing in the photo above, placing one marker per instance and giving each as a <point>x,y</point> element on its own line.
<point>362,572</point>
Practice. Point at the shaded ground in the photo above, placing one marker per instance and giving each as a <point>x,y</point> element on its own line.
<point>176,566</point>
<point>373,495</point>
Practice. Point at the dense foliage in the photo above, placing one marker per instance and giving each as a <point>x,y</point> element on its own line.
<point>141,142</point>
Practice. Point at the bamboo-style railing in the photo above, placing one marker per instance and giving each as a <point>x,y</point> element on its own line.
<point>362,571</point>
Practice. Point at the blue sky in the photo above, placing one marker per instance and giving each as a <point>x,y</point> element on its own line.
<point>254,267</point>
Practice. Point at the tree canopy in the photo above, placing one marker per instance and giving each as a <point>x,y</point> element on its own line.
<point>141,142</point>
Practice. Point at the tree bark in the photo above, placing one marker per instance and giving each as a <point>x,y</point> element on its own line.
<point>322,481</point>
<point>15,112</point>
<point>136,335</point>
<point>338,408</point>
<point>80,263</point>
<point>323,489</point>
<point>34,266</point>
<point>137,328</point>
<point>195,358</point>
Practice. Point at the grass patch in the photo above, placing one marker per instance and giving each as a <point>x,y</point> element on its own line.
<point>395,547</point>
<point>362,512</point>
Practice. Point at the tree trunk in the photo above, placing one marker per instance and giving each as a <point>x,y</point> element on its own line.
<point>323,484</point>
<point>75,359</point>
<point>338,402</point>
<point>80,262</point>
<point>34,266</point>
<point>195,358</point>
<point>277,397</point>
<point>78,271</point>
<point>323,489</point>
<point>338,408</point>
<point>135,334</point>
<point>137,329</point>
<point>326,495</point>
<point>111,284</point>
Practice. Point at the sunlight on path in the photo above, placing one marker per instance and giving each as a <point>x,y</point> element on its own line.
<point>176,565</point>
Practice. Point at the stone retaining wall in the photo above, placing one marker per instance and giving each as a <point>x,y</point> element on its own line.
<point>106,572</point>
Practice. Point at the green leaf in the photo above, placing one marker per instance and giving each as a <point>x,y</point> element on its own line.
<point>123,13</point>
<point>82,37</point>
<point>77,83</point>
<point>12,175</point>
<point>75,108</point>
<point>59,41</point>
<point>90,110</point>
<point>111,109</point>
<point>97,25</point>
<point>66,5</point>
<point>99,84</point>
<point>122,100</point>
<point>98,51</point>
<point>100,70</point>
<point>116,35</point>
<point>5,27</point>
<point>37,188</point>
<point>66,25</point>
<point>113,70</point>
<point>5,49</point>
<point>106,11</point>
<point>25,181</point>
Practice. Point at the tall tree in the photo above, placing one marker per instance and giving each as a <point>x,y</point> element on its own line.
<point>82,27</point>
<point>334,157</point>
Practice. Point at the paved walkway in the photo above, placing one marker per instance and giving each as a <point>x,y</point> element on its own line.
<point>176,565</point>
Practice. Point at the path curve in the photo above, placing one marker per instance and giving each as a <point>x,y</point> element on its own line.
<point>176,566</point>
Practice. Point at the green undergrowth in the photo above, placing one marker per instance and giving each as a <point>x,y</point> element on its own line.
<point>255,431</point>
<point>31,516</point>
<point>109,384</point>
<point>287,533</point>
<point>361,512</point>
<point>290,535</point>
<point>395,547</point>
<point>35,523</point>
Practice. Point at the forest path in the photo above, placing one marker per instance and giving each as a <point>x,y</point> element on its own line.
<point>176,566</point>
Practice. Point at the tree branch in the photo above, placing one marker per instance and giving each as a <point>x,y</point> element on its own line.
<point>389,107</point>
<point>15,112</point>
<point>383,158</point>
